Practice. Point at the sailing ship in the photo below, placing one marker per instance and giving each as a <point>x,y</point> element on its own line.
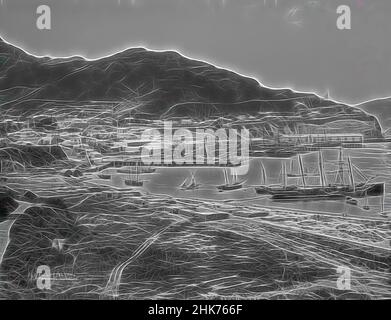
<point>189,184</point>
<point>307,172</point>
<point>234,184</point>
<point>133,180</point>
<point>339,189</point>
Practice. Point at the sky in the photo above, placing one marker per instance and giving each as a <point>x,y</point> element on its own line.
<point>282,43</point>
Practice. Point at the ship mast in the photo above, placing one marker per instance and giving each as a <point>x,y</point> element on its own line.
<point>351,175</point>
<point>193,182</point>
<point>302,170</point>
<point>263,173</point>
<point>291,166</point>
<point>340,174</point>
<point>234,176</point>
<point>321,170</point>
<point>226,177</point>
<point>183,183</point>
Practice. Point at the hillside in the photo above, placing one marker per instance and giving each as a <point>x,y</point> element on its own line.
<point>157,85</point>
<point>381,108</point>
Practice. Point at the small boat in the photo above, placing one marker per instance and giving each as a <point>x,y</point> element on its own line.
<point>191,185</point>
<point>104,176</point>
<point>351,201</point>
<point>231,186</point>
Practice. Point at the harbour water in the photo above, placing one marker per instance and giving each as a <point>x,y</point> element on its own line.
<point>373,162</point>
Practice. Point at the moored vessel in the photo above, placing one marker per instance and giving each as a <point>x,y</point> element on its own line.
<point>340,188</point>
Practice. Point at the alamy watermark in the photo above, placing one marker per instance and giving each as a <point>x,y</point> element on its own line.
<point>345,278</point>
<point>44,20</point>
<point>182,146</point>
<point>44,277</point>
<point>344,16</point>
<point>344,21</point>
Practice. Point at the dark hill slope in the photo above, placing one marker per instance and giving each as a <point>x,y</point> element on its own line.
<point>154,85</point>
